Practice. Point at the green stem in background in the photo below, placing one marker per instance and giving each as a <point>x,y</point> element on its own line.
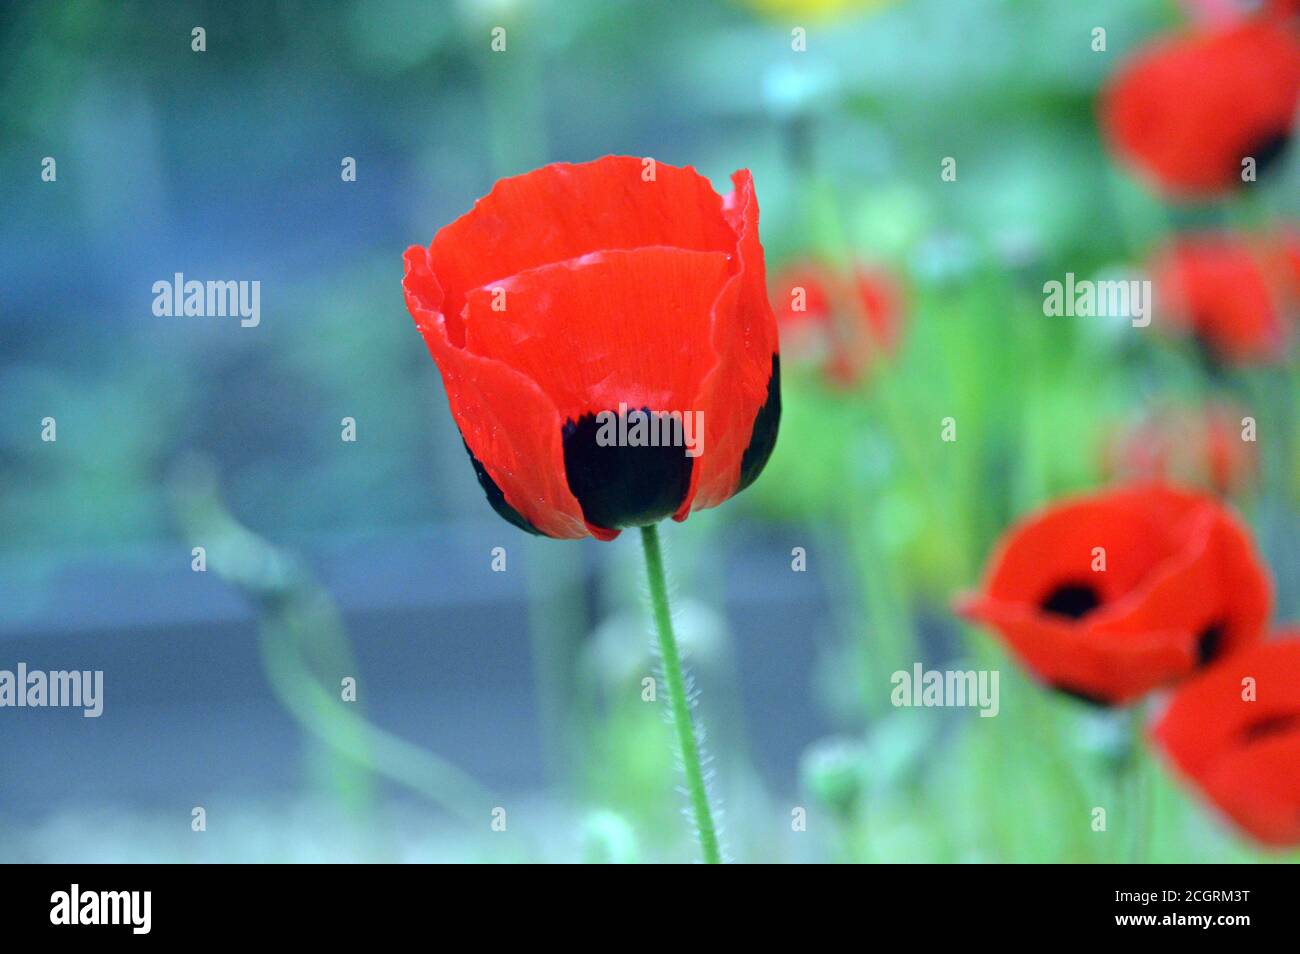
<point>320,712</point>
<point>297,622</point>
<point>679,704</point>
<point>1137,787</point>
<point>891,642</point>
<point>556,614</point>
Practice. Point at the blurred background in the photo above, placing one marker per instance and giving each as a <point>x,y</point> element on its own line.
<point>372,559</point>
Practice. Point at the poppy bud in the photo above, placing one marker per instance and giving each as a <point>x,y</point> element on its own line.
<point>606,343</point>
<point>834,772</point>
<point>1107,597</point>
<point>608,838</point>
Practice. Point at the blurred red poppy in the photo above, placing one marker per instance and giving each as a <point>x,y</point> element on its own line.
<point>1187,111</point>
<point>845,323</point>
<point>1236,295</point>
<point>1108,596</point>
<point>1203,446</point>
<point>579,310</point>
<point>1234,732</point>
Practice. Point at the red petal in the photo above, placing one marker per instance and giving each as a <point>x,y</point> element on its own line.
<point>1216,579</point>
<point>1137,528</point>
<point>1068,656</point>
<point>1225,290</point>
<point>745,340</point>
<point>510,425</point>
<point>561,212</point>
<point>1259,789</point>
<point>609,328</point>
<point>816,281</point>
<point>1212,734</point>
<point>880,301</point>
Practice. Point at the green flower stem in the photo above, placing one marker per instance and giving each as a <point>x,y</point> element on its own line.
<point>1138,795</point>
<point>680,706</point>
<point>319,712</point>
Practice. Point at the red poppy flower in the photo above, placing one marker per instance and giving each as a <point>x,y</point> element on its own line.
<point>1201,446</point>
<point>1108,596</point>
<point>1186,111</point>
<point>1236,295</point>
<point>844,323</point>
<point>803,294</point>
<point>1234,732</point>
<point>592,322</point>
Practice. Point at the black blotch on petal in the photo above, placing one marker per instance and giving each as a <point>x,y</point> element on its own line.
<point>1081,696</point>
<point>1209,644</point>
<point>1266,153</point>
<point>1268,727</point>
<point>1074,600</point>
<point>625,486</point>
<point>762,438</point>
<point>497,498</point>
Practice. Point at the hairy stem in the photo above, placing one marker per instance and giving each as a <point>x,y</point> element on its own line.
<point>679,704</point>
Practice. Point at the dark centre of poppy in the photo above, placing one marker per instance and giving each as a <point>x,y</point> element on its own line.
<point>627,471</point>
<point>1209,643</point>
<point>1268,727</point>
<point>1074,600</point>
